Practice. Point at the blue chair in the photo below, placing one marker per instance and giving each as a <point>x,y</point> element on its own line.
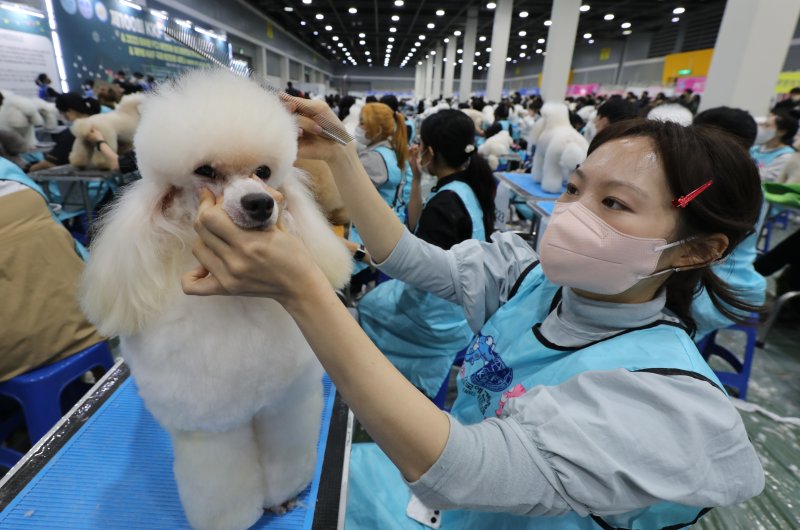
<point>438,400</point>
<point>740,376</point>
<point>39,392</point>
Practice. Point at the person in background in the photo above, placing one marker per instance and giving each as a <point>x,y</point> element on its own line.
<point>738,271</point>
<point>773,147</point>
<point>501,122</point>
<point>417,331</point>
<point>291,90</point>
<point>614,110</point>
<point>371,99</point>
<point>88,88</point>
<point>72,106</point>
<point>391,101</point>
<point>138,80</point>
<point>792,103</point>
<point>690,100</point>
<point>108,96</point>
<point>123,164</point>
<point>46,92</point>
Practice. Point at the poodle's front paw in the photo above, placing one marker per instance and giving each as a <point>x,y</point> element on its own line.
<point>239,516</point>
<point>287,506</point>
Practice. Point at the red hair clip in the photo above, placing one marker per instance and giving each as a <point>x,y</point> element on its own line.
<point>681,202</point>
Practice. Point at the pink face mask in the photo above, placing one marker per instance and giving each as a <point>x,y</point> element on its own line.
<point>582,251</point>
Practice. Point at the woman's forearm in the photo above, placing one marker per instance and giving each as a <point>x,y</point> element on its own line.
<point>401,420</point>
<point>111,157</point>
<point>377,224</point>
<point>414,204</point>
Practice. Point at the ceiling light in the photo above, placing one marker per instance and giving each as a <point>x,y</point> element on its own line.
<point>678,11</point>
<point>609,16</point>
<point>366,52</point>
<point>399,3</point>
<point>335,37</point>
<point>488,65</point>
<point>457,33</point>
<point>440,12</point>
<point>477,54</point>
<point>625,25</point>
<point>431,25</point>
<point>395,18</point>
<point>675,19</point>
<point>361,35</point>
<point>591,41</point>
<point>522,54</point>
<point>508,59</point>
<point>474,63</point>
<point>446,41</point>
<point>538,50</point>
<point>627,32</point>
<point>523,14</point>
<point>488,50</point>
<point>523,47</point>
<point>418,43</point>
<point>390,39</point>
<point>319,16</point>
<point>433,52</point>
<point>306,2</point>
<point>491,5</point>
<point>459,61</point>
<point>392,30</point>
<point>419,63</point>
<point>328,28</point>
<point>522,33</point>
<point>422,37</point>
<point>316,33</point>
<point>480,68</point>
<point>340,44</point>
<point>413,50</point>
<point>587,35</point>
<point>540,41</point>
<point>288,8</point>
<point>585,8</point>
<point>548,22</point>
<point>302,22</point>
<point>352,10</point>
<point>459,50</point>
<point>362,42</point>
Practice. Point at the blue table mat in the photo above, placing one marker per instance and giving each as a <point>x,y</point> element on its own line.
<point>524,181</point>
<point>116,473</point>
<point>546,206</point>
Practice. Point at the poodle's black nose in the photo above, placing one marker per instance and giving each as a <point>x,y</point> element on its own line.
<point>258,206</point>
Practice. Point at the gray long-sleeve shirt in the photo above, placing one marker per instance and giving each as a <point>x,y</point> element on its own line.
<point>603,442</point>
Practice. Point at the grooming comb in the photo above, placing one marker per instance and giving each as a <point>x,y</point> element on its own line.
<point>330,129</point>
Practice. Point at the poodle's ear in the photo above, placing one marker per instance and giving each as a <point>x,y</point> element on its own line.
<point>131,272</point>
<point>307,221</point>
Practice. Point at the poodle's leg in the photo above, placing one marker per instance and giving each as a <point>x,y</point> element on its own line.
<point>80,155</point>
<point>287,438</point>
<point>538,163</point>
<point>219,478</point>
<point>552,173</point>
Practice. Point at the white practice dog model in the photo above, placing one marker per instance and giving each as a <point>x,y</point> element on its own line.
<point>496,146</point>
<point>559,147</point>
<point>21,115</point>
<point>117,128</point>
<point>232,379</point>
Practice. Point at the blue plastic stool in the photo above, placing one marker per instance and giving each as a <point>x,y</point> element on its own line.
<point>438,400</point>
<point>39,392</point>
<point>739,378</point>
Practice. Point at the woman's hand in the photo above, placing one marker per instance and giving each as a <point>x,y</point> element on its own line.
<point>311,143</point>
<point>268,263</point>
<point>94,136</point>
<point>413,160</point>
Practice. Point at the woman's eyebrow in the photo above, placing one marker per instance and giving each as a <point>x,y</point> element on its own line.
<point>616,183</point>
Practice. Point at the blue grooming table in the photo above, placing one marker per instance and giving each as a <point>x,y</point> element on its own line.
<point>108,465</point>
<point>523,185</point>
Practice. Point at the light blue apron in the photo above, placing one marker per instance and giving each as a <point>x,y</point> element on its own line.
<point>765,158</point>
<point>507,358</point>
<point>9,171</point>
<point>396,192</point>
<point>419,332</point>
<point>513,131</point>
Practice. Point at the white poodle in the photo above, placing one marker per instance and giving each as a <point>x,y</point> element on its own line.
<point>495,147</point>
<point>673,112</point>
<point>231,379</point>
<point>117,128</point>
<point>21,115</point>
<point>48,112</point>
<point>559,147</point>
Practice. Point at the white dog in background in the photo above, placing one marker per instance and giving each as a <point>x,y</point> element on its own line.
<point>117,128</point>
<point>231,379</point>
<point>496,146</point>
<point>559,147</point>
<point>21,115</point>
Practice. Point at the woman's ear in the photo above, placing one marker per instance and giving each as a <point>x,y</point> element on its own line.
<point>701,252</point>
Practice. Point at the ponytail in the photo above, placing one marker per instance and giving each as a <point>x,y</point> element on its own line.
<point>400,140</point>
<point>480,178</point>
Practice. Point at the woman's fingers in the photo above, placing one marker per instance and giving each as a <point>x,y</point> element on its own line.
<point>200,282</point>
<point>308,125</point>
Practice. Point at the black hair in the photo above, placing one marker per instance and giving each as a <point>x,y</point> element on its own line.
<point>344,106</point>
<point>391,100</point>
<point>617,109</point>
<point>463,105</point>
<point>121,72</point>
<point>289,84</point>
<point>795,90</point>
<point>576,121</point>
<point>41,79</point>
<point>786,122</point>
<point>449,132</point>
<point>76,102</point>
<point>138,75</point>
<point>501,112</point>
<point>151,79</point>
<point>690,157</point>
<point>737,122</point>
<point>89,83</point>
<point>371,99</point>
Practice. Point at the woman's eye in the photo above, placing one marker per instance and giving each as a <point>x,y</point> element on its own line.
<point>572,189</point>
<point>206,171</point>
<point>614,204</point>
<point>263,172</point>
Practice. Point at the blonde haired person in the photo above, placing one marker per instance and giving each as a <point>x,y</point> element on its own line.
<point>381,133</point>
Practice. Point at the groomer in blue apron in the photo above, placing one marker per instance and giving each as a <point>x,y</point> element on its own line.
<point>418,331</point>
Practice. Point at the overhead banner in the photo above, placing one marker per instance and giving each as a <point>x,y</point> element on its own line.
<point>25,52</point>
<point>101,37</point>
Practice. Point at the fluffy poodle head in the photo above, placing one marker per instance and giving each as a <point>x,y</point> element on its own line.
<point>213,129</point>
<point>671,112</point>
<point>555,113</point>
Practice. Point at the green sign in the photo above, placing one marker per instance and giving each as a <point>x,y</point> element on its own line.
<point>685,71</point>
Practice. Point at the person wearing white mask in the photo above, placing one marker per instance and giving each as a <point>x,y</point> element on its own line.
<point>773,147</point>
<point>583,402</point>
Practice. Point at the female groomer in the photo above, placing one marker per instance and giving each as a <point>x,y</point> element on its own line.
<point>583,402</point>
<point>418,331</point>
<point>385,159</point>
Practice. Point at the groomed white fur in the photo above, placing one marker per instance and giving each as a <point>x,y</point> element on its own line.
<point>117,128</point>
<point>230,378</point>
<point>21,115</point>
<point>559,147</point>
<point>495,147</point>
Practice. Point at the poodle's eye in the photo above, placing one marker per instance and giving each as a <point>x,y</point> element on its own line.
<point>263,172</point>
<point>206,171</point>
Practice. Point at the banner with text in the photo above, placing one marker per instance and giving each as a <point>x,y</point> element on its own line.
<point>25,52</point>
<point>101,37</point>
